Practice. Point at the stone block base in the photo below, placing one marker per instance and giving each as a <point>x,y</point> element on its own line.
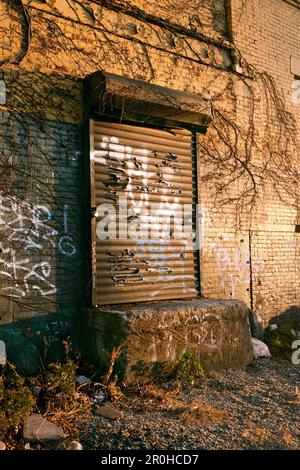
<point>153,336</point>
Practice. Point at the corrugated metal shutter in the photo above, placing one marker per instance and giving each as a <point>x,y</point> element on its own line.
<point>147,166</point>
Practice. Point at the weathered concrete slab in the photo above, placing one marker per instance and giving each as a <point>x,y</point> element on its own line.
<point>155,335</point>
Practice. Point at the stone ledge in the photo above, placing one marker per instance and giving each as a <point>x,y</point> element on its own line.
<point>154,335</point>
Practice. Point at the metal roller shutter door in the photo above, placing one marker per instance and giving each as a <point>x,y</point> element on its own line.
<point>147,166</point>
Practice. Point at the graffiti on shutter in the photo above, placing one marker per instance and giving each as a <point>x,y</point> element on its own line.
<point>142,189</point>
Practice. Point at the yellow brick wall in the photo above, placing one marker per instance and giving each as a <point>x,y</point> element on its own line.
<point>267,34</point>
<point>249,251</point>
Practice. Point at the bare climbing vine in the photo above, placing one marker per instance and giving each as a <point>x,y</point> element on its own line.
<point>244,152</point>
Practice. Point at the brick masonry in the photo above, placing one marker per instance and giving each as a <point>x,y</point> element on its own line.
<point>248,254</point>
<point>41,213</point>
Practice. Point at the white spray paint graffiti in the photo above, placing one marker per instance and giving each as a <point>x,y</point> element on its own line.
<point>65,242</point>
<point>130,169</point>
<point>26,233</point>
<point>234,267</point>
<point>204,334</point>
<point>159,258</point>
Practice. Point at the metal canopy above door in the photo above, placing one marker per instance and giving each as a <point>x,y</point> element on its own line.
<point>140,176</point>
<point>112,95</point>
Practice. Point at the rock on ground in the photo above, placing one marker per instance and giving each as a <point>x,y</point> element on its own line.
<point>37,428</point>
<point>74,445</point>
<point>108,412</point>
<point>260,349</point>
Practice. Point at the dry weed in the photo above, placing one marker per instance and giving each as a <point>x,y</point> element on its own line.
<point>289,440</point>
<point>160,399</point>
<point>198,412</point>
<point>113,358</point>
<point>257,436</point>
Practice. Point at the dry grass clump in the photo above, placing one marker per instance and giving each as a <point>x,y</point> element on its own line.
<point>289,440</point>
<point>54,394</point>
<point>260,437</point>
<point>257,436</point>
<point>109,379</point>
<point>160,399</point>
<point>16,402</point>
<point>62,400</point>
<point>199,412</point>
<point>194,412</point>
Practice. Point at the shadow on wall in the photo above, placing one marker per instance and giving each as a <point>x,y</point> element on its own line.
<point>31,343</point>
<point>255,324</point>
<point>282,331</point>
<point>290,315</point>
<point>41,203</point>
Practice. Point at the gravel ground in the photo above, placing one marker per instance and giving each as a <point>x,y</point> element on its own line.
<point>255,408</point>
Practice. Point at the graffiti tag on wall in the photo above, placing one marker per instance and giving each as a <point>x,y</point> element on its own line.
<point>233,265</point>
<point>28,244</point>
